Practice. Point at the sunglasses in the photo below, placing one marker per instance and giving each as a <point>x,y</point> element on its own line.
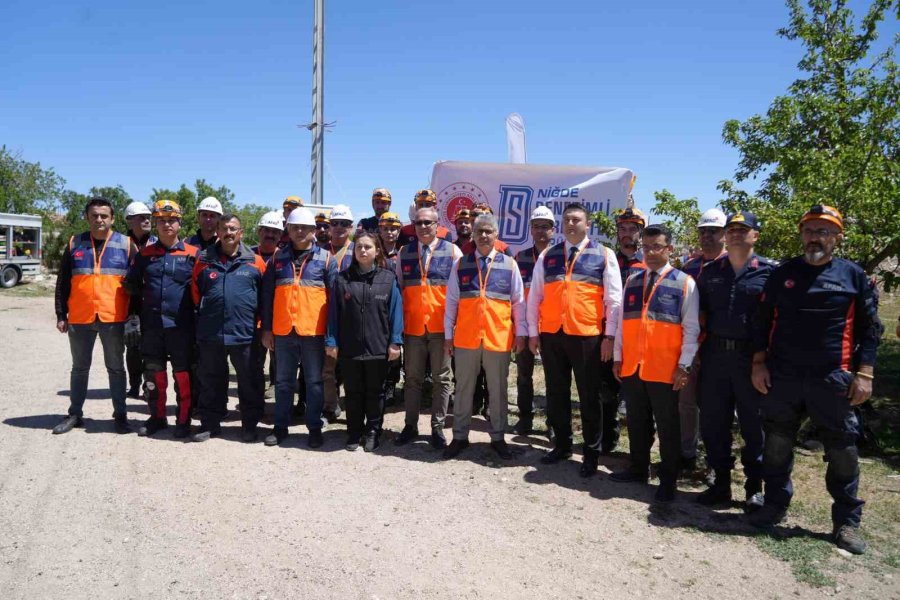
<point>343,224</point>
<point>424,223</point>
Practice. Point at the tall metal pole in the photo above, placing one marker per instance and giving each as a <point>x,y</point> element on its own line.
<point>318,102</point>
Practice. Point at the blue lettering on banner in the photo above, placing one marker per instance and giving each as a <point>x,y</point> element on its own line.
<point>515,207</point>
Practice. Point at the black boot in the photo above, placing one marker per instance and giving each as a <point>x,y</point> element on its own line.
<point>719,492</point>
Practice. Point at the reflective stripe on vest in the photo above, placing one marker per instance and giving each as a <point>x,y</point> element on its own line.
<point>301,300</point>
<point>573,295</point>
<point>97,290</point>
<point>424,287</point>
<point>651,331</point>
<point>484,314</point>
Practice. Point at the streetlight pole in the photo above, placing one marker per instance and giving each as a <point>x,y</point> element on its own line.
<point>318,102</point>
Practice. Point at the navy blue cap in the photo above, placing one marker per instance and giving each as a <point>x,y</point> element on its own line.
<point>744,217</point>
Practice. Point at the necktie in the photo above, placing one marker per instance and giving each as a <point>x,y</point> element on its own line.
<point>572,252</point>
<point>484,260</point>
<point>650,283</point>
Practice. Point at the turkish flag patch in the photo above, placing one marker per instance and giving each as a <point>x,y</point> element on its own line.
<point>788,283</point>
<point>213,275</point>
<point>79,254</point>
<point>631,298</point>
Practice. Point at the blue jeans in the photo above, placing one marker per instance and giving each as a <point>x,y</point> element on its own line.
<point>81,342</point>
<point>310,352</point>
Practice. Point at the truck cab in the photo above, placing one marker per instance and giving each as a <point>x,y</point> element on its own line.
<point>20,247</point>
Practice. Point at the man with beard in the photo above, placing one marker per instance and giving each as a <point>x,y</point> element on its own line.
<point>208,213</point>
<point>323,230</point>
<point>814,342</point>
<point>381,203</point>
<point>463,223</point>
<point>268,232</point>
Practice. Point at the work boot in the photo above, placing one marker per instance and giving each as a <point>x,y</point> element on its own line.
<point>371,441</point>
<point>629,476</point>
<point>847,538</point>
<point>151,426</point>
<point>665,492</point>
<point>120,424</point>
<point>182,430</point>
<point>315,438</point>
<point>525,426</point>
<point>754,495</point>
<point>502,449</point>
<point>249,434</point>
<point>409,433</point>
<point>278,435</point>
<point>455,447</point>
<point>67,424</point>
<point>438,439</point>
<point>556,455</point>
<point>768,516</point>
<point>588,467</point>
<point>719,492</point>
<point>206,432</point>
<point>352,445</point>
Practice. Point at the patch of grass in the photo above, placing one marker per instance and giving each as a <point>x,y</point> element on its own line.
<point>807,557</point>
<point>28,289</point>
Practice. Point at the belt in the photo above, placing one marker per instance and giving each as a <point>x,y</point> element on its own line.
<point>728,344</point>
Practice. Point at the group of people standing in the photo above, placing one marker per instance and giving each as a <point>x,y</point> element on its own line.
<point>684,348</point>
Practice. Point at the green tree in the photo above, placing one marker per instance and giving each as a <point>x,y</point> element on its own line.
<point>683,216</point>
<point>26,187</point>
<point>833,138</point>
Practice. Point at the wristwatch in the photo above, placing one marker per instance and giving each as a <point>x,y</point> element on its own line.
<point>685,368</point>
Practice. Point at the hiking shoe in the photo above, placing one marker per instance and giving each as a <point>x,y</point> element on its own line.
<point>315,438</point>
<point>409,433</point>
<point>371,442</point>
<point>278,435</point>
<point>151,426</point>
<point>182,430</point>
<point>67,424</point>
<point>120,425</point>
<point>768,516</point>
<point>438,439</point>
<point>847,537</point>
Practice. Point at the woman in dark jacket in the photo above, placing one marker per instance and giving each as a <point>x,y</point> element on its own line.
<point>365,320</point>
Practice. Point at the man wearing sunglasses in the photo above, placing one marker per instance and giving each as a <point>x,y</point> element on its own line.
<point>814,344</point>
<point>323,230</point>
<point>423,269</point>
<point>711,231</point>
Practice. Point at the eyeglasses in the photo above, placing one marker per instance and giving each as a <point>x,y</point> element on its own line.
<point>821,233</point>
<point>323,226</point>
<point>485,232</point>
<point>654,247</point>
<point>343,224</point>
<point>424,223</point>
<point>708,231</point>
<point>541,227</point>
<point>291,205</point>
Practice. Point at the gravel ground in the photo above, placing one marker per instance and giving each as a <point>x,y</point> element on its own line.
<point>92,514</point>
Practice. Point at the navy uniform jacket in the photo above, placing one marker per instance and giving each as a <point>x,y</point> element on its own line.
<point>729,300</point>
<point>817,318</point>
<point>630,266</point>
<point>197,240</point>
<point>227,295</point>
<point>162,278</point>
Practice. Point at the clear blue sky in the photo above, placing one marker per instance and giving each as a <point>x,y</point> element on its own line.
<point>154,94</point>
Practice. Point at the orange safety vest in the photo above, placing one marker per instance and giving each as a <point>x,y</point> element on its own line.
<point>97,290</point>
<point>424,287</point>
<point>484,312</point>
<point>573,294</point>
<point>301,298</point>
<point>651,328</point>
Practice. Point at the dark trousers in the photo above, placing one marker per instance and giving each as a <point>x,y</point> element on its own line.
<point>725,385</point>
<point>212,370</point>
<point>81,342</point>
<point>134,365</point>
<point>645,402</point>
<point>307,352</point>
<point>364,395</point>
<point>563,355</point>
<point>824,399</point>
<point>609,400</point>
<point>525,384</point>
<point>159,346</point>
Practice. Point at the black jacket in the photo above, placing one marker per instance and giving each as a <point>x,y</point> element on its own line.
<point>365,314</point>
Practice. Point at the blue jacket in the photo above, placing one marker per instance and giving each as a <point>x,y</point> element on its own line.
<point>162,277</point>
<point>729,300</point>
<point>817,319</point>
<point>227,295</point>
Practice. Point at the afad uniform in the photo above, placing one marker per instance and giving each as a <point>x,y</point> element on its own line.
<point>162,277</point>
<point>628,266</point>
<point>96,285</point>
<point>729,301</point>
<point>198,242</point>
<point>226,292</point>
<point>817,325</point>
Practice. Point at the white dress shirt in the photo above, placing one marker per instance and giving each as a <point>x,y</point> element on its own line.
<point>612,290</point>
<point>516,297</point>
<point>398,269</point>
<point>690,323</point>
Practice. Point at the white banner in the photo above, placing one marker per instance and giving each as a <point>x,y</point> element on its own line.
<point>515,138</point>
<point>514,190</point>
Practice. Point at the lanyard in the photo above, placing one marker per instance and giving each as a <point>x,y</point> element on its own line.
<point>423,271</point>
<point>659,278</point>
<point>99,259</point>
<point>483,282</point>
<point>297,277</point>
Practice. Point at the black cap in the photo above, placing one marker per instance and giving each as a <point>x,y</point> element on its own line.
<point>743,217</point>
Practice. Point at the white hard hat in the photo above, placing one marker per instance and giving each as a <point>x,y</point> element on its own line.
<point>712,218</point>
<point>136,208</point>
<point>272,219</point>
<point>341,212</point>
<point>211,204</point>
<point>301,216</point>
<point>544,214</point>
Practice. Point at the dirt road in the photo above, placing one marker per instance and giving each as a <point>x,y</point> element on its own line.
<point>92,514</point>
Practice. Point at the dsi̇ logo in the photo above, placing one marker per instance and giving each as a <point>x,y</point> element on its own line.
<point>515,207</point>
